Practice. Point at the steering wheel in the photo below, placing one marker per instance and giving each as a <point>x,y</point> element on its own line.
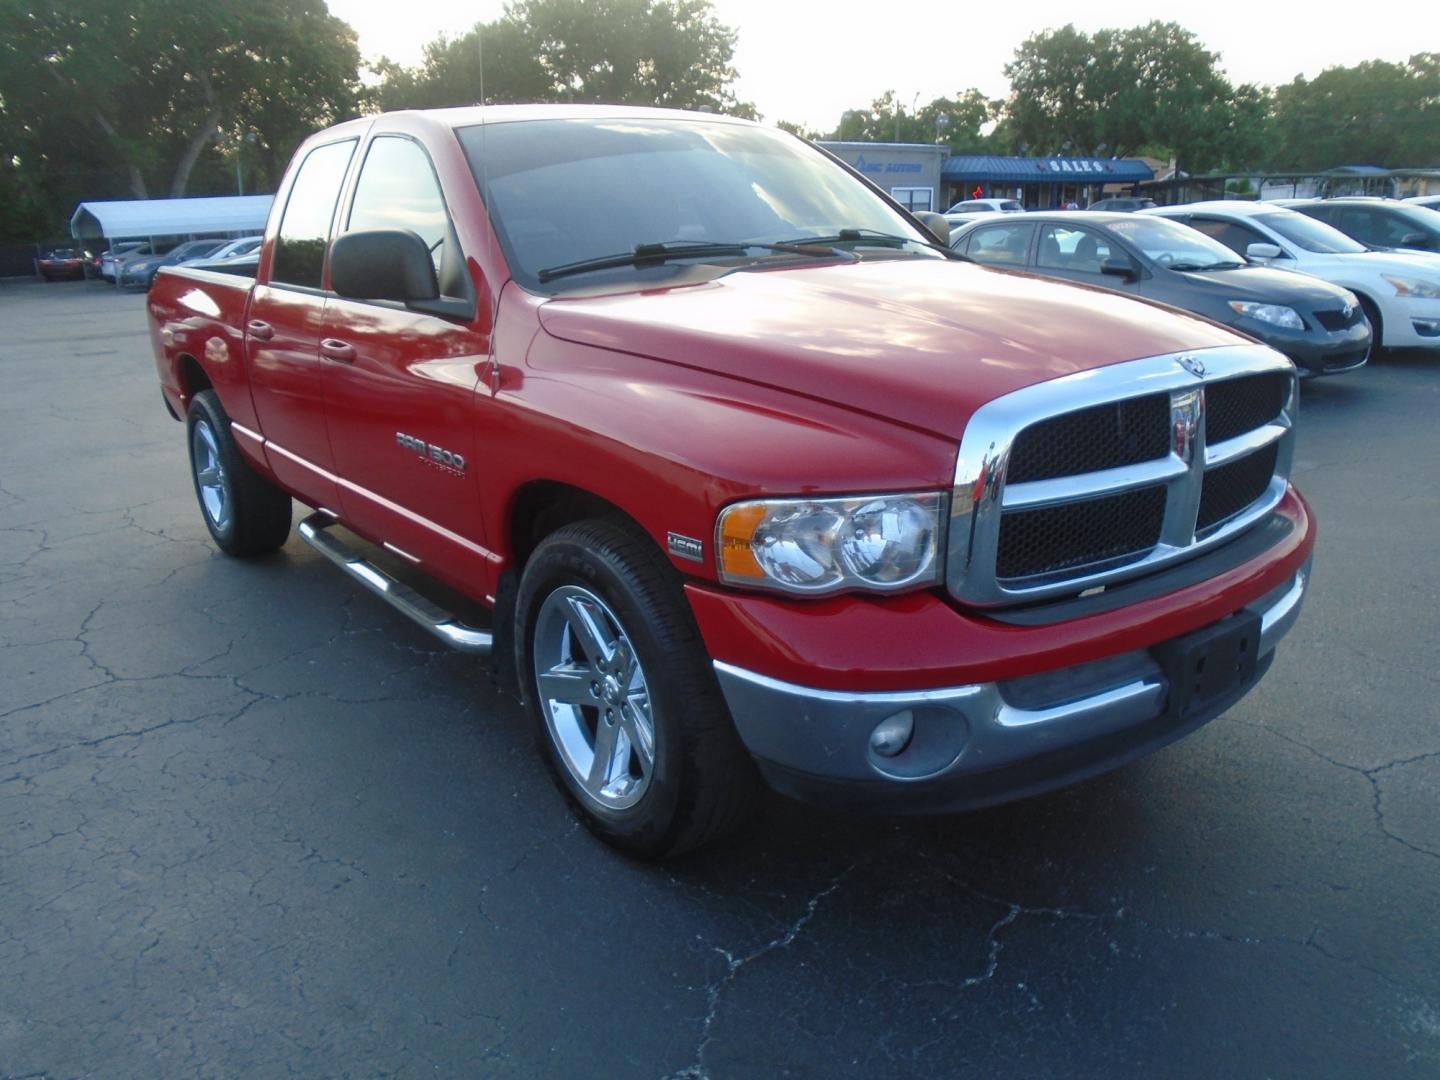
<point>1165,258</point>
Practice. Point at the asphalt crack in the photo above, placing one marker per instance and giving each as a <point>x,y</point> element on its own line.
<point>735,964</point>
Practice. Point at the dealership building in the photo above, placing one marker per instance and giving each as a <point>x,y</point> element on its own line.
<point>924,177</point>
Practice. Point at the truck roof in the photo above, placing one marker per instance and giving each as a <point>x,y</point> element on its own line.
<point>470,115</point>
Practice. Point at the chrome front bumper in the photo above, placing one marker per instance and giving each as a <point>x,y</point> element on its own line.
<point>977,744</point>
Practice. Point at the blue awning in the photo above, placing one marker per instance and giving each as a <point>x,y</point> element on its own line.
<point>1044,170</point>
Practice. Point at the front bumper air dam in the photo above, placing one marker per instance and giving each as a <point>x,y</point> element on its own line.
<point>979,744</point>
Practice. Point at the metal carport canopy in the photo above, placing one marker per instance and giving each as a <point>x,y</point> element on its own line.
<point>134,218</point>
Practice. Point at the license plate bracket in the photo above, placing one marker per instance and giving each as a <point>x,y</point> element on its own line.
<point>1210,664</point>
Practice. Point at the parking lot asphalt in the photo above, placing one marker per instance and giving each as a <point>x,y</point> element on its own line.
<point>252,823</point>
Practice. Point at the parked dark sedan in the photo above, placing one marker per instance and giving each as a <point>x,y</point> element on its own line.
<point>142,272</point>
<point>1319,326</point>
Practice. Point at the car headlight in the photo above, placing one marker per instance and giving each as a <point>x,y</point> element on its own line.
<point>877,542</point>
<point>1274,314</point>
<point>1414,287</point>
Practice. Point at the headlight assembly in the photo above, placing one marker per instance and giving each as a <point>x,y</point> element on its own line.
<point>1414,287</point>
<point>1274,314</point>
<point>880,543</point>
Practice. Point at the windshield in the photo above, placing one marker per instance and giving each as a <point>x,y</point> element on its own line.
<point>1420,220</point>
<point>1171,244</point>
<point>1312,235</point>
<point>565,191</point>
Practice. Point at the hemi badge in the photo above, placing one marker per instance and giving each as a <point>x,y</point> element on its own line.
<point>685,547</point>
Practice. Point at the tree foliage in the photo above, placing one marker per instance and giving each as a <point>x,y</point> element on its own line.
<point>668,53</point>
<point>1375,113</point>
<point>140,97</point>
<point>958,122</point>
<point>1116,91</point>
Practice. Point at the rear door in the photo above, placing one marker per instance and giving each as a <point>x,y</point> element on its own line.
<point>401,383</point>
<point>282,332</point>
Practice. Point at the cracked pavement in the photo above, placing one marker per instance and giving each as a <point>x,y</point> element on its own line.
<point>253,823</point>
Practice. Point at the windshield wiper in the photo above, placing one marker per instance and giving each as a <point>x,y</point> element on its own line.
<point>872,236</point>
<point>1188,266</point>
<point>655,254</point>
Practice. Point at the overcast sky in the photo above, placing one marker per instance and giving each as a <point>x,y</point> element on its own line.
<point>807,62</point>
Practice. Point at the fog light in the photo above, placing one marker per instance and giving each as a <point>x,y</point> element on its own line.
<point>893,734</point>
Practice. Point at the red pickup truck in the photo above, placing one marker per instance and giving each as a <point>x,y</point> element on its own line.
<point>755,479</point>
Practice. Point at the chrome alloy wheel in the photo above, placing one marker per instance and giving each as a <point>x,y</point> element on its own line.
<point>210,479</point>
<point>594,697</point>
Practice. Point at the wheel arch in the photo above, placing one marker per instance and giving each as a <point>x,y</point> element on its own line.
<point>192,377</point>
<point>539,507</point>
<point>1369,305</point>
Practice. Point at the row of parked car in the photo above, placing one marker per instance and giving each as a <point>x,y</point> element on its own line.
<point>134,263</point>
<point>1322,281</point>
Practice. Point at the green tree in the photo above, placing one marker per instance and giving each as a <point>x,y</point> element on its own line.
<point>1116,91</point>
<point>1375,113</point>
<point>142,96</point>
<point>669,53</point>
<point>957,122</point>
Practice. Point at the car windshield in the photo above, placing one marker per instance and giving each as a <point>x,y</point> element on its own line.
<point>1420,220</point>
<point>1171,244</point>
<point>562,192</point>
<point>1309,234</point>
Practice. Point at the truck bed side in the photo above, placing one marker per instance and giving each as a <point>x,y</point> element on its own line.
<point>197,326</point>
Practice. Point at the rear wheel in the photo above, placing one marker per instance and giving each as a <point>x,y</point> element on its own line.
<point>628,714</point>
<point>245,513</point>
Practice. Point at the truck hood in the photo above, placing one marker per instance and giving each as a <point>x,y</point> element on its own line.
<point>920,341</point>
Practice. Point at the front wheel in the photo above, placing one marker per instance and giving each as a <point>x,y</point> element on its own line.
<point>245,513</point>
<point>628,714</point>
<point>1377,325</point>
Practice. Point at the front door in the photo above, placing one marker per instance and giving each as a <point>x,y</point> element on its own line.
<point>401,385</point>
<point>1077,254</point>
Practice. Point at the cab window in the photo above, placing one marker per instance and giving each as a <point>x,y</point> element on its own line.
<point>305,228</point>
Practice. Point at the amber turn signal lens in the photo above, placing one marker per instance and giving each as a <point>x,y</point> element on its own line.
<point>737,532</point>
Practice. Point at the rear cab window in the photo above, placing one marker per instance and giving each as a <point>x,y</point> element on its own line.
<point>305,227</point>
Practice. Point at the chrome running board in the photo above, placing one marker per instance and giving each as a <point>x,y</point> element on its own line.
<point>426,614</point>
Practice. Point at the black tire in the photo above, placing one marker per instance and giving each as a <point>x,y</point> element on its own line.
<point>1377,325</point>
<point>255,518</point>
<point>702,784</point>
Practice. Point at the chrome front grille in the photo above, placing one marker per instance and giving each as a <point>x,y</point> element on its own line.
<point>1107,474</point>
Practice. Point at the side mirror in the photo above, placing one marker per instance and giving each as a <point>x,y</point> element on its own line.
<point>1119,266</point>
<point>937,225</point>
<point>1416,240</point>
<point>1263,251</point>
<point>383,264</point>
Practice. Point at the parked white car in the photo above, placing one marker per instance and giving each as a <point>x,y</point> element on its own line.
<point>1431,202</point>
<point>1398,291</point>
<point>957,221</point>
<point>986,206</point>
<point>244,246</point>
